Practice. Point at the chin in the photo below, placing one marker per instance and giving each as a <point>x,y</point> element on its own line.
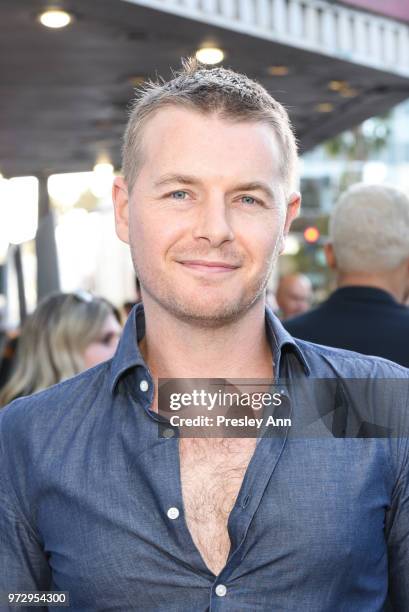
<point>210,313</point>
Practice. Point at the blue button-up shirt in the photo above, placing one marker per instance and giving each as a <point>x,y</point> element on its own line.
<point>86,484</point>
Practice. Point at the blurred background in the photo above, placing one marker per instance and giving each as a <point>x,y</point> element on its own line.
<point>67,74</point>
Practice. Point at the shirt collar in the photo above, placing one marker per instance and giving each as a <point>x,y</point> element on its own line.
<point>128,355</point>
<point>282,341</point>
<point>359,293</point>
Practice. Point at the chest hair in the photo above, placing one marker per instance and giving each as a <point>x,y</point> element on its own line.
<point>212,473</point>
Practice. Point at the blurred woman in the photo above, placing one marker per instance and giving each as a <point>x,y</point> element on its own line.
<point>66,334</point>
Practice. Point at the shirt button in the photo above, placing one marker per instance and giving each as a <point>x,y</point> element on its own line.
<point>168,433</point>
<point>221,590</point>
<point>144,385</point>
<point>173,513</point>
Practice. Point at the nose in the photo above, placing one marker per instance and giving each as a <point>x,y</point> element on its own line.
<point>213,222</point>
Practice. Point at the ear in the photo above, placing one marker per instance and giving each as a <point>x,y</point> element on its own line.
<point>293,208</point>
<point>330,255</point>
<point>405,300</point>
<point>120,198</point>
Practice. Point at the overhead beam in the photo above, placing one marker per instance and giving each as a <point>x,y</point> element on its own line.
<point>317,26</point>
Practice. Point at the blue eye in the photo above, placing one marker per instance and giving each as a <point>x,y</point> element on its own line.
<point>249,200</point>
<point>178,195</point>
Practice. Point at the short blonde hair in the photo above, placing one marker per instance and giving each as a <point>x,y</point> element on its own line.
<point>231,95</point>
<point>369,228</point>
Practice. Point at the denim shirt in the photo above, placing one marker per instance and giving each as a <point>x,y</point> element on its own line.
<point>320,524</point>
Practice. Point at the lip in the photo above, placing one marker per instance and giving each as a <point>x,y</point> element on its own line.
<point>208,266</point>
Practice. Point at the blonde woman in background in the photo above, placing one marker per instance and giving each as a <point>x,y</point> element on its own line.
<point>66,334</point>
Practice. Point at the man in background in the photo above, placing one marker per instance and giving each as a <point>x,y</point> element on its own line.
<point>369,252</point>
<point>294,294</point>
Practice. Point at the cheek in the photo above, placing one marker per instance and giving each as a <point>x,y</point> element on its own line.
<point>262,240</point>
<point>153,235</point>
<point>96,353</point>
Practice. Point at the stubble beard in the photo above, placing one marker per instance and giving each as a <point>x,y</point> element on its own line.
<point>196,313</point>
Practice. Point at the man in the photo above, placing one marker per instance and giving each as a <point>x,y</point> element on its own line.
<point>95,503</point>
<point>369,251</point>
<point>294,294</point>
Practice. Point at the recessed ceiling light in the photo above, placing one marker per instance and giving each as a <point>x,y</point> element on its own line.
<point>209,55</point>
<point>348,92</point>
<point>337,85</point>
<point>55,18</point>
<point>324,107</point>
<point>278,70</point>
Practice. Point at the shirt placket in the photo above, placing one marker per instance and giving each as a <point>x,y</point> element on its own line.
<point>257,477</point>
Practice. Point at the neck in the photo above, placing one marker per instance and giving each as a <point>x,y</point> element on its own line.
<point>178,349</point>
<point>390,282</point>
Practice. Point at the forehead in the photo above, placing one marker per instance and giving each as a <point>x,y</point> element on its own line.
<point>182,140</point>
<point>297,287</point>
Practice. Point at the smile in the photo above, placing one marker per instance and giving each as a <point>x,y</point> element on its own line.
<point>210,267</point>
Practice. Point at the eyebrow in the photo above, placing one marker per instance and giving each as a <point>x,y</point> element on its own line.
<point>192,180</point>
<point>256,186</point>
<point>176,178</point>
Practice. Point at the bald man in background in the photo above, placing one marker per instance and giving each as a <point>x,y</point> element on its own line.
<point>294,295</point>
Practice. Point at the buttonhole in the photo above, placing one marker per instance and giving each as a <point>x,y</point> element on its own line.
<point>245,501</point>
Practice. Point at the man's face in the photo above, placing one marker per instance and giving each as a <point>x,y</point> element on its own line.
<point>294,296</point>
<point>207,215</point>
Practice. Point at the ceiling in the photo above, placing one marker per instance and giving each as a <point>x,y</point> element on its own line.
<point>64,93</point>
